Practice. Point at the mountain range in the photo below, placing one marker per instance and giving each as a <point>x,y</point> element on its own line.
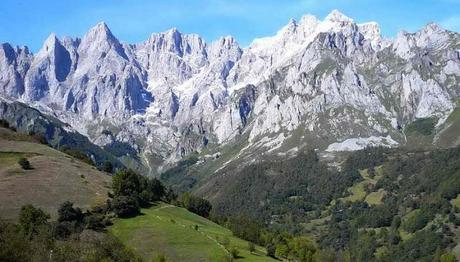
<point>332,85</point>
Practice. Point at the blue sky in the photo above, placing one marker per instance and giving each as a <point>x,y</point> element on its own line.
<point>29,22</point>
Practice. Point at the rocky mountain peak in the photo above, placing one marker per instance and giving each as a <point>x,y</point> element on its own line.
<point>430,37</point>
<point>173,32</point>
<point>51,45</point>
<point>100,39</point>
<point>227,40</point>
<point>433,28</point>
<point>372,32</point>
<point>336,16</point>
<point>225,47</point>
<point>50,41</point>
<point>291,26</point>
<point>7,53</point>
<point>331,78</point>
<point>308,21</point>
<point>101,29</point>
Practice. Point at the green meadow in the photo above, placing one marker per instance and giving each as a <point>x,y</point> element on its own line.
<point>179,235</point>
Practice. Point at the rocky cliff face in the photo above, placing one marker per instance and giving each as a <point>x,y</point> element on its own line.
<point>315,83</point>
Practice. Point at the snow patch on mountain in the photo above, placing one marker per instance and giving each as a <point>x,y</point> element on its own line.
<point>353,144</point>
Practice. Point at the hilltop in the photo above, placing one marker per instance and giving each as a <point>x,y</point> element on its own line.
<point>55,177</point>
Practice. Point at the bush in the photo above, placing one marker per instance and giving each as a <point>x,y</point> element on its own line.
<point>394,237</point>
<point>126,183</point>
<point>234,252</point>
<point>31,218</point>
<point>160,258</point>
<point>197,205</point>
<point>448,258</point>
<point>416,221</point>
<point>143,190</point>
<point>396,222</point>
<point>33,240</point>
<point>67,212</point>
<point>420,247</point>
<point>156,187</point>
<point>251,247</point>
<point>12,243</point>
<point>95,222</point>
<point>125,206</point>
<point>271,249</point>
<point>63,230</point>
<point>24,163</point>
<point>144,198</point>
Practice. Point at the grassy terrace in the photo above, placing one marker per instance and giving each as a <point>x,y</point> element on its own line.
<point>358,192</point>
<point>171,231</point>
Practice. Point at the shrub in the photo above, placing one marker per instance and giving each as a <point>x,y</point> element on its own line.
<point>95,222</point>
<point>271,249</point>
<point>393,237</point>
<point>251,247</point>
<point>31,218</point>
<point>144,198</point>
<point>13,245</point>
<point>63,230</point>
<point>396,222</point>
<point>281,251</point>
<point>24,163</point>
<point>145,190</point>
<point>234,252</point>
<point>156,187</point>
<point>67,212</point>
<point>416,221</point>
<point>126,183</point>
<point>125,206</point>
<point>160,258</point>
<point>197,205</point>
<point>448,258</point>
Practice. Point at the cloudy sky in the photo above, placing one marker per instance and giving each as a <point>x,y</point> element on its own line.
<point>29,22</point>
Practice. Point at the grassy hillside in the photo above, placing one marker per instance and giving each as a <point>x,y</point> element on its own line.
<point>171,231</point>
<point>55,177</point>
<point>449,135</point>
